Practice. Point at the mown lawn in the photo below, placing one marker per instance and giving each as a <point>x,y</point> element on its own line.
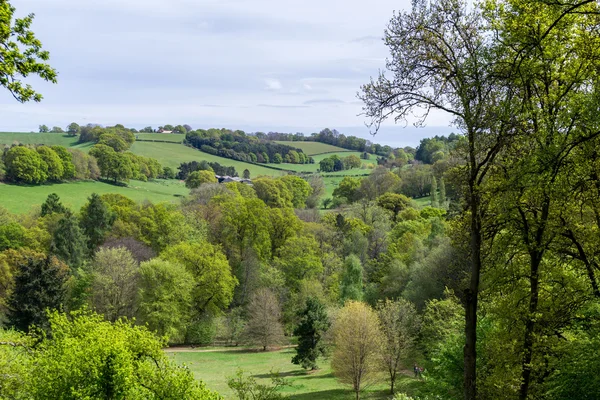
<point>22,198</point>
<point>312,148</point>
<point>172,155</point>
<point>215,367</point>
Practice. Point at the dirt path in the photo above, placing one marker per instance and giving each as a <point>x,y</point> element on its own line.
<point>227,349</point>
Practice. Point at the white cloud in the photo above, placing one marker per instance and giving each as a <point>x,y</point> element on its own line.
<point>273,84</point>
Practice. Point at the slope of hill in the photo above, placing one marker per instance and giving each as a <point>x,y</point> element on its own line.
<point>20,199</point>
<point>312,148</point>
<point>49,139</point>
<point>172,154</point>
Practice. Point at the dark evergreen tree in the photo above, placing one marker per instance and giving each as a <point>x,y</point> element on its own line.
<point>39,286</point>
<point>68,241</point>
<point>314,322</point>
<point>52,205</point>
<point>96,220</point>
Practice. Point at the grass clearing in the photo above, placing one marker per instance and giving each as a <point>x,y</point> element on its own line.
<point>312,148</point>
<point>172,154</point>
<point>214,367</point>
<point>20,199</point>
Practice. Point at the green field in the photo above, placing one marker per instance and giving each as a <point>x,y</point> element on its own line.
<point>312,148</point>
<point>50,139</point>
<point>21,199</point>
<point>214,367</point>
<point>313,168</point>
<point>171,155</point>
<point>169,137</point>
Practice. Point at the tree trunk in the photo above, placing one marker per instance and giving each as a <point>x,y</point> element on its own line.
<point>471,294</point>
<point>529,327</point>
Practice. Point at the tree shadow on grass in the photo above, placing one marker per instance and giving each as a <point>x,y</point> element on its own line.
<point>280,374</point>
<point>333,394</point>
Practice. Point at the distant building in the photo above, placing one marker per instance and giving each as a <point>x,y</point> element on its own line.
<point>163,131</point>
<point>227,179</point>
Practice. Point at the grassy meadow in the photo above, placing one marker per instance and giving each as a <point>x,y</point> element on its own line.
<point>216,366</point>
<point>169,137</point>
<point>22,198</point>
<point>312,148</point>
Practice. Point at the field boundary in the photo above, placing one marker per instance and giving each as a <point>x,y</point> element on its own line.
<point>157,141</point>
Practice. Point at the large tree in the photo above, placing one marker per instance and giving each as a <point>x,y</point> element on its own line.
<point>264,314</point>
<point>357,340</point>
<point>96,219</point>
<point>68,241</point>
<point>21,55</point>
<point>313,325</point>
<point>441,60</point>
<point>40,284</point>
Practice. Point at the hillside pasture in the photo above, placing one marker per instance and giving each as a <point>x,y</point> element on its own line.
<point>167,137</point>
<point>312,148</point>
<point>49,139</point>
<point>21,199</point>
<point>214,367</point>
<point>172,155</point>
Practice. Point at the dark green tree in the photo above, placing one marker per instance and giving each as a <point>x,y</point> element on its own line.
<point>73,129</point>
<point>52,205</point>
<point>246,174</point>
<point>39,286</point>
<point>314,322</point>
<point>68,241</point>
<point>96,220</point>
<point>21,55</point>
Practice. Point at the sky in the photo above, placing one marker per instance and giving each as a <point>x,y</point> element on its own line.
<point>256,65</point>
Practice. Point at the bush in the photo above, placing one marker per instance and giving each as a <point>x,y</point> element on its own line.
<point>201,332</point>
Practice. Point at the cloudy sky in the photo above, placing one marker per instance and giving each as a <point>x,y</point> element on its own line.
<point>264,65</point>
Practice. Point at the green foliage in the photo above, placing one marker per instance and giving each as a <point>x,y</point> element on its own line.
<point>213,281</point>
<point>393,202</point>
<point>197,178</point>
<point>21,55</point>
<point>164,293</point>
<point>12,236</point>
<point>68,241</point>
<point>246,388</point>
<point>25,165</point>
<point>40,284</point>
<point>114,276</point>
<point>73,129</point>
<point>201,331</point>
<point>96,220</point>
<point>348,189</point>
<point>88,357</point>
<point>274,192</point>
<point>53,162</point>
<point>67,162</point>
<point>113,165</point>
<point>299,188</point>
<point>299,259</point>
<point>114,141</point>
<point>400,326</point>
<point>313,325</point>
<point>351,286</point>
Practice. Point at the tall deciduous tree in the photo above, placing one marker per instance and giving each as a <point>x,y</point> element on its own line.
<point>114,280</point>
<point>440,60</point>
<point>264,319</point>
<point>313,324</point>
<point>400,325</point>
<point>21,55</point>
<point>351,287</point>
<point>357,338</point>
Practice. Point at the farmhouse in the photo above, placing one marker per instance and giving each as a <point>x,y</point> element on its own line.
<point>227,179</point>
